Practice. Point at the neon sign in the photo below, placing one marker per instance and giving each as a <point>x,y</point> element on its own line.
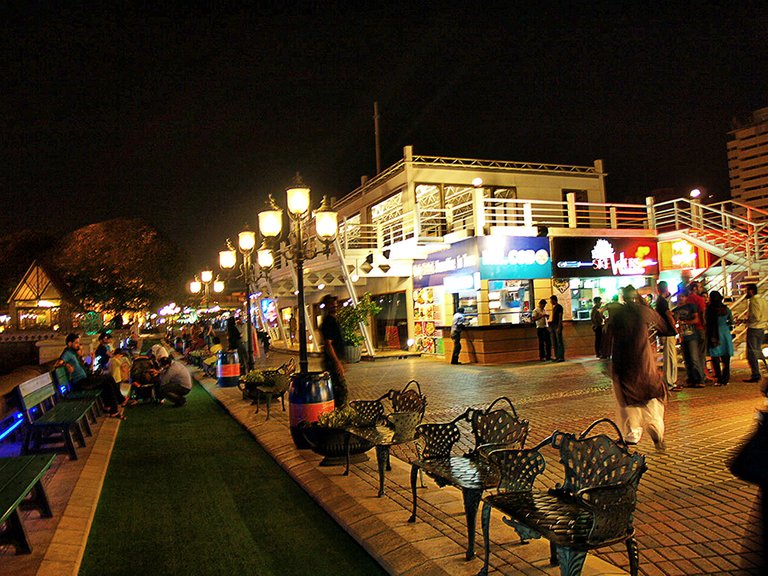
<point>608,257</point>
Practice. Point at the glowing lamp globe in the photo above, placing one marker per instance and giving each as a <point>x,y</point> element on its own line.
<point>195,286</point>
<point>270,223</point>
<point>298,200</point>
<point>227,259</point>
<point>264,258</point>
<point>218,286</point>
<point>206,276</point>
<point>326,224</point>
<point>246,240</point>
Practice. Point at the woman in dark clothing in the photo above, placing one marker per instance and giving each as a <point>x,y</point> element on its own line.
<point>235,342</point>
<point>719,323</point>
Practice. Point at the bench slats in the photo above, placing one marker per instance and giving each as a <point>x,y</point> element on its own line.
<point>64,413</point>
<point>18,477</point>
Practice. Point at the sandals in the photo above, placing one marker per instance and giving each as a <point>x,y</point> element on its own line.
<point>118,415</point>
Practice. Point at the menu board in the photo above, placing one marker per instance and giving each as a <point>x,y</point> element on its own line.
<point>428,312</point>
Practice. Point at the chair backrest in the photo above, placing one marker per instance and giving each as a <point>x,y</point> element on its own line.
<point>438,439</point>
<point>409,399</point>
<point>593,461</point>
<point>36,392</point>
<point>368,412</point>
<point>61,377</point>
<point>499,425</point>
<point>518,469</point>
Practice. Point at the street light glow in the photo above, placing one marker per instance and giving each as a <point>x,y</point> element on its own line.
<point>695,193</point>
<point>227,259</point>
<point>246,240</point>
<point>206,276</point>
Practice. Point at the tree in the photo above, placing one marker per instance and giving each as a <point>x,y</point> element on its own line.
<point>120,265</point>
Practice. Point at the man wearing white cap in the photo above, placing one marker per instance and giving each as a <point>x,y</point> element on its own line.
<point>175,381</point>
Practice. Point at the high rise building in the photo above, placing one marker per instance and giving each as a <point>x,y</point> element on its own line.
<point>748,160</point>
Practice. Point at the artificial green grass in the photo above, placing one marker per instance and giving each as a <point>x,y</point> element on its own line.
<point>188,491</point>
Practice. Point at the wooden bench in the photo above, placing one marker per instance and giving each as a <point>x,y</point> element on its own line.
<point>21,477</point>
<point>493,428</point>
<point>48,421</point>
<point>64,389</point>
<point>593,507</point>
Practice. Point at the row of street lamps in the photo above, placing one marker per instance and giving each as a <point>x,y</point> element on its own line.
<point>300,246</point>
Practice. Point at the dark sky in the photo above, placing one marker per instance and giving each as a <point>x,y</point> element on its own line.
<point>188,118</point>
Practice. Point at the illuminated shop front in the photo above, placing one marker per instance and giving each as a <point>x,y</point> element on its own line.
<point>678,258</point>
<point>491,277</point>
<point>586,267</point>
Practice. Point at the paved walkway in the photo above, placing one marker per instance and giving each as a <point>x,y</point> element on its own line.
<point>692,517</point>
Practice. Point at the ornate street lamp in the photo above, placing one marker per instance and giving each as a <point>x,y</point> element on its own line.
<point>203,283</point>
<point>246,242</point>
<point>301,246</point>
<point>305,386</point>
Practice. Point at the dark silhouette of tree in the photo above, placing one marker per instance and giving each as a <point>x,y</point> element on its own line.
<point>120,265</point>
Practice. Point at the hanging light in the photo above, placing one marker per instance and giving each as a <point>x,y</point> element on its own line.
<point>271,219</point>
<point>326,223</point>
<point>227,259</point>
<point>246,240</point>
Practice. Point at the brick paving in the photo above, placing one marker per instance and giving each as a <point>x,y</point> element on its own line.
<point>693,517</point>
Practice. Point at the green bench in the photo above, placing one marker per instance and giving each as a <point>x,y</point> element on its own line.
<point>48,422</point>
<point>21,477</point>
<point>65,392</point>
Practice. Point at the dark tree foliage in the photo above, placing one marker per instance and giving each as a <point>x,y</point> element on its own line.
<point>120,265</point>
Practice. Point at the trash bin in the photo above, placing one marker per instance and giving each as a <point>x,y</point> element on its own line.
<point>228,368</point>
<point>309,395</point>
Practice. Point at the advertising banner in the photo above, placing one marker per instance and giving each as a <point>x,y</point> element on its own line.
<point>494,257</point>
<point>596,257</point>
<point>681,255</point>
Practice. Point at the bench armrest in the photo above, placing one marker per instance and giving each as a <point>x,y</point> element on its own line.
<point>612,506</point>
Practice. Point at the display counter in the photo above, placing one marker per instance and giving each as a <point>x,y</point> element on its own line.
<point>502,343</point>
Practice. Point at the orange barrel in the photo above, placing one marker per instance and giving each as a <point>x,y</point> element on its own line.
<point>310,395</point>
<point>228,368</point>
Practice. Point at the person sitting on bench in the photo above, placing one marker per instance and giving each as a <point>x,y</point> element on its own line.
<point>81,379</point>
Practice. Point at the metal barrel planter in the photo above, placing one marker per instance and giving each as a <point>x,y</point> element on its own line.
<point>228,368</point>
<point>309,395</point>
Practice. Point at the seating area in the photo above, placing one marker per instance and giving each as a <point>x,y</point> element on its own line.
<point>591,509</point>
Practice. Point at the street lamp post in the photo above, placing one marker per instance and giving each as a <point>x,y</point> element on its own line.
<point>246,242</point>
<point>203,283</point>
<point>301,246</point>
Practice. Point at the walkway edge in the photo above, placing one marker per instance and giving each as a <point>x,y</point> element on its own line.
<point>65,552</point>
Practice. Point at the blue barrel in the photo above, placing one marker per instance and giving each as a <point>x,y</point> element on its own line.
<point>228,368</point>
<point>310,395</point>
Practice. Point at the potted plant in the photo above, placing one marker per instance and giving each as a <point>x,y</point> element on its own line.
<point>350,317</point>
<point>327,437</point>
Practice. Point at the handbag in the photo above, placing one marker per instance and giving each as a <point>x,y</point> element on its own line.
<point>751,461</point>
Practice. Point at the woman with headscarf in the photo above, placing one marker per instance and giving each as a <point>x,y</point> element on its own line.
<point>719,323</point>
<point>640,391</point>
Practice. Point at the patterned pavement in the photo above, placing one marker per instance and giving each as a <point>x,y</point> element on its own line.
<point>693,517</point>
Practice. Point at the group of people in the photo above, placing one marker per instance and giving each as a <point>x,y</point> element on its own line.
<point>549,330</point>
<point>112,368</point>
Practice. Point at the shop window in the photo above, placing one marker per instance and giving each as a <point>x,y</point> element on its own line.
<point>390,326</point>
<point>509,301</point>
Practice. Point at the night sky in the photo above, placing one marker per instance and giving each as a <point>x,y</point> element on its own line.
<point>189,118</point>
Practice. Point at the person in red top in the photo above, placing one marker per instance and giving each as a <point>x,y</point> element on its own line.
<point>697,299</point>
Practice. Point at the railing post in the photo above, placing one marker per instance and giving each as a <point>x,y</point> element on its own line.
<point>697,214</point>
<point>478,210</point>
<point>379,236</point>
<point>570,199</point>
<point>650,209</point>
<point>449,217</point>
<point>527,215</point>
<point>614,219</point>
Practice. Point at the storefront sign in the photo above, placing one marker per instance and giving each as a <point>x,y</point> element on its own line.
<point>593,257</point>
<point>494,257</point>
<point>514,258</point>
<point>680,255</point>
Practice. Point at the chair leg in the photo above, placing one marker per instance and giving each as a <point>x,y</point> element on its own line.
<point>40,500</point>
<point>269,404</point>
<point>70,443</point>
<point>571,561</point>
<point>414,473</point>
<point>471,503</point>
<point>15,534</point>
<point>486,521</point>
<point>87,427</point>
<point>634,556</point>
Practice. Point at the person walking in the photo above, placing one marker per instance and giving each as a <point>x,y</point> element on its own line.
<point>719,340</point>
<point>556,330</point>
<point>687,315</point>
<point>640,393</point>
<point>540,316</point>
<point>235,342</point>
<point>457,325</point>
<point>333,349</point>
<point>757,320</point>
<point>597,318</point>
<point>608,311</point>
<point>668,338</point>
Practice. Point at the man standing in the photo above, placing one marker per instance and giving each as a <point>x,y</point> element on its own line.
<point>540,316</point>
<point>556,330</point>
<point>457,325</point>
<point>687,315</point>
<point>696,297</point>
<point>668,338</point>
<point>757,319</point>
<point>597,318</point>
<point>333,349</point>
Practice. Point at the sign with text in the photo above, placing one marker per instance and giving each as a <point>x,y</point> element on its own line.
<point>681,255</point>
<point>594,257</point>
<point>494,257</point>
